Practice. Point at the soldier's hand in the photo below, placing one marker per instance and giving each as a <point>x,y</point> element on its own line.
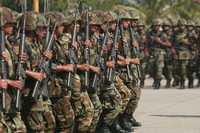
<point>125,39</point>
<point>5,56</point>
<point>84,67</point>
<point>127,61</point>
<point>3,84</point>
<point>48,54</point>
<point>36,75</point>
<point>88,43</point>
<point>110,64</point>
<point>16,84</point>
<point>95,69</point>
<point>68,68</point>
<point>23,57</point>
<point>135,61</point>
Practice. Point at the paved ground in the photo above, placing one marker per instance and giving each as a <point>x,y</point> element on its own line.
<point>169,111</point>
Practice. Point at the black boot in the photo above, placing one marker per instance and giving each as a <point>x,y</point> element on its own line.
<point>191,83</point>
<point>157,84</point>
<point>135,123</point>
<point>125,123</point>
<point>142,84</point>
<point>103,128</point>
<point>168,84</point>
<point>182,84</point>
<point>117,128</point>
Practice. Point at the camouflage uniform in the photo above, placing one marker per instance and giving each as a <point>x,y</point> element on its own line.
<point>182,47</point>
<point>37,113</point>
<point>11,119</point>
<point>157,51</point>
<point>60,92</point>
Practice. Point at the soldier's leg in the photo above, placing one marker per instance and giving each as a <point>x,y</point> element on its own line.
<point>4,128</point>
<point>125,95</point>
<point>183,73</point>
<point>97,111</point>
<point>111,101</point>
<point>34,120</point>
<point>16,123</point>
<point>159,72</point>
<point>64,115</point>
<point>83,107</point>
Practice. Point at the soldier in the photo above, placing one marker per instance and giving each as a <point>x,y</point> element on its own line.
<point>159,44</point>
<point>95,61</point>
<point>37,111</point>
<point>12,121</point>
<point>142,40</point>
<point>182,48</point>
<point>109,95</point>
<point>129,73</point>
<point>168,59</point>
<point>192,65</point>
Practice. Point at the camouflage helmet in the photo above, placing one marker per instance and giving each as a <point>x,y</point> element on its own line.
<point>156,22</point>
<point>41,21</point>
<point>190,23</point>
<point>8,17</point>
<point>56,17</point>
<point>31,18</point>
<point>181,22</point>
<point>95,18</point>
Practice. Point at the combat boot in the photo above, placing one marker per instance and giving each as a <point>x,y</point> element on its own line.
<point>103,128</point>
<point>191,83</point>
<point>175,83</point>
<point>168,84</point>
<point>142,84</point>
<point>157,84</point>
<point>135,123</point>
<point>182,84</point>
<point>125,123</point>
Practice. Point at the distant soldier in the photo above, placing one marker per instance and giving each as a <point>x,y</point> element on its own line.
<point>182,48</point>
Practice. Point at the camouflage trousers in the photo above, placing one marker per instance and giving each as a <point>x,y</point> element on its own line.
<point>83,107</point>
<point>112,103</point>
<point>40,118</point>
<point>15,123</point>
<point>64,115</point>
<point>182,73</point>
<point>124,92</point>
<point>97,111</point>
<point>134,98</point>
<point>4,128</point>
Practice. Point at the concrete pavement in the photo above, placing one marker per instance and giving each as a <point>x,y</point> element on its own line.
<point>169,111</point>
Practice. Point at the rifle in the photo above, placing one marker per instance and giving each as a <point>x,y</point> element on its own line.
<point>113,52</point>
<point>135,51</point>
<point>87,50</point>
<point>44,63</point>
<point>3,65</point>
<point>99,58</point>
<point>126,49</point>
<point>72,56</point>
<point>20,64</point>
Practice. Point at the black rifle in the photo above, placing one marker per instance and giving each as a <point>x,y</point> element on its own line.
<point>44,63</point>
<point>110,71</point>
<point>72,56</point>
<point>99,59</point>
<point>3,65</point>
<point>87,50</point>
<point>20,64</point>
<point>125,52</point>
<point>135,51</point>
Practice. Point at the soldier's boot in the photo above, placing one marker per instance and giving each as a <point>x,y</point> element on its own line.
<point>157,84</point>
<point>182,84</point>
<point>135,123</point>
<point>191,83</point>
<point>103,128</point>
<point>168,84</point>
<point>116,128</point>
<point>175,83</point>
<point>124,123</point>
<point>142,84</point>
